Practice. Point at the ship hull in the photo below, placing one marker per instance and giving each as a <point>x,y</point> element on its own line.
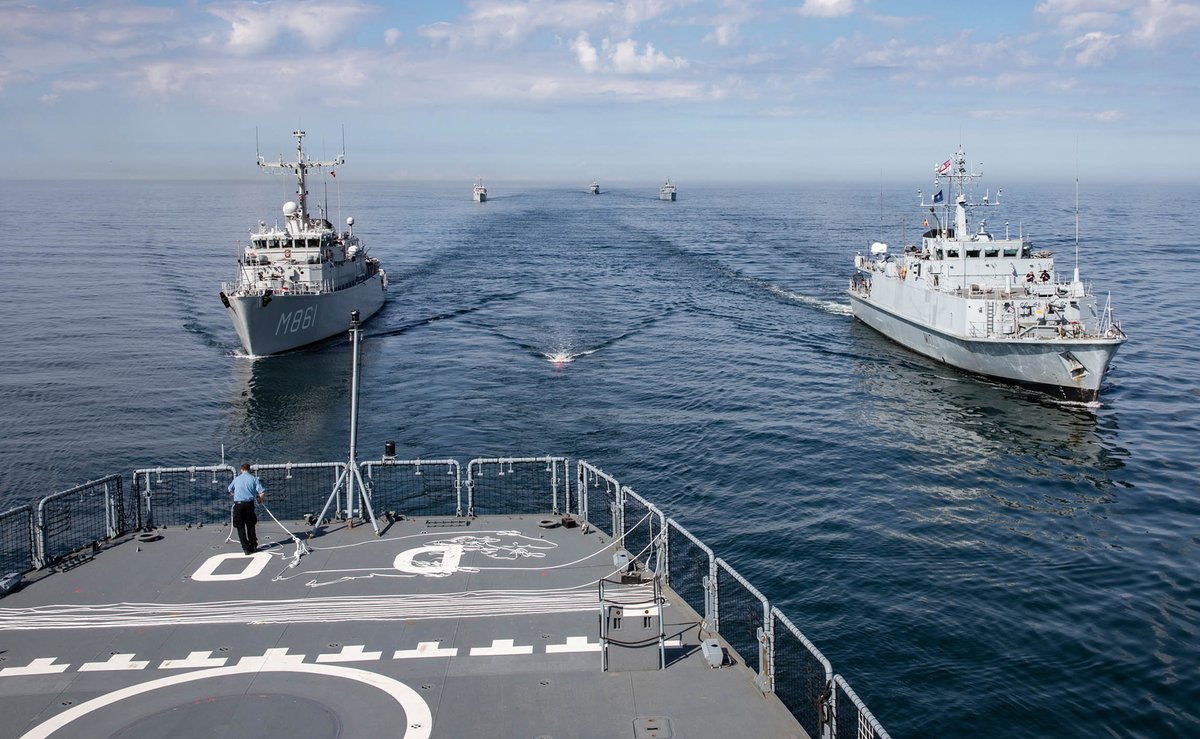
<point>1049,365</point>
<point>480,198</point>
<point>667,196</point>
<point>289,322</point>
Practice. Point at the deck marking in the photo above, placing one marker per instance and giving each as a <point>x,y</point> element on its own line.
<point>426,649</point>
<point>194,659</point>
<point>417,716</point>
<point>350,653</point>
<point>273,658</point>
<point>445,566</point>
<point>252,565</point>
<point>40,666</point>
<point>573,644</point>
<point>500,648</point>
<point>115,662</point>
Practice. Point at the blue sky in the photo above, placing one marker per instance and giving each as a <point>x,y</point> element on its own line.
<point>620,90</point>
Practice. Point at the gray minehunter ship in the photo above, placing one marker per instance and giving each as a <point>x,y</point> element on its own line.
<point>667,191</point>
<point>594,188</point>
<point>524,598</point>
<point>984,304</point>
<point>297,284</point>
<point>479,192</point>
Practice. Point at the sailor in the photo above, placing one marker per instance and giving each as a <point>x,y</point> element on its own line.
<point>1029,276</point>
<point>1045,276</point>
<point>246,489</point>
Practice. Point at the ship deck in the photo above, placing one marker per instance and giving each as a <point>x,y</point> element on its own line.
<point>179,634</point>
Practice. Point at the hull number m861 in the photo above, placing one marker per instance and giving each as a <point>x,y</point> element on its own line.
<point>297,320</point>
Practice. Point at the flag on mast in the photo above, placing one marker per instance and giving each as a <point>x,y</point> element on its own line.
<point>944,168</point>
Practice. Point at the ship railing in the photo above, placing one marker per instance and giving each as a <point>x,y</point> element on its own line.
<point>593,482</point>
<point>783,660</point>
<point>414,487</point>
<point>852,718</point>
<point>519,485</point>
<point>86,515</point>
<point>18,547</point>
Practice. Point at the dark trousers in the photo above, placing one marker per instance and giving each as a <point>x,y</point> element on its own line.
<point>244,520</point>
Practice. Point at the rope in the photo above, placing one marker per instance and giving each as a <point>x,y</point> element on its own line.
<point>301,548</point>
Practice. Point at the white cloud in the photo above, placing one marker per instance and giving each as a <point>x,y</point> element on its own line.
<point>392,36</point>
<point>256,27</point>
<point>1108,116</point>
<point>1092,49</point>
<point>1159,19</point>
<point>585,53</point>
<point>826,8</point>
<point>725,33</point>
<point>626,60</point>
<point>508,22</point>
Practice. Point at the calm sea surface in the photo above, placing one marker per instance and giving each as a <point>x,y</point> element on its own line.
<point>976,559</point>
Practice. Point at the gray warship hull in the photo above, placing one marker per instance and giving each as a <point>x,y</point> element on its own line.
<point>290,321</point>
<point>1049,365</point>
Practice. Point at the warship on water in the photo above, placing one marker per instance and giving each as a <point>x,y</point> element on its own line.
<point>988,305</point>
<point>667,191</point>
<point>512,597</point>
<point>296,284</point>
<point>479,192</point>
<point>594,188</point>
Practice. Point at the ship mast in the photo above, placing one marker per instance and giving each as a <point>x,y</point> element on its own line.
<point>300,168</point>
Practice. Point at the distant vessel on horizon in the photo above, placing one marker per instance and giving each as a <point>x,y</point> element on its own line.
<point>479,193</point>
<point>297,284</point>
<point>594,188</point>
<point>990,306</point>
<point>667,191</point>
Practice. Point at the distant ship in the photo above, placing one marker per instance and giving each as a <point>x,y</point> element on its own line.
<point>480,192</point>
<point>297,284</point>
<point>667,191</point>
<point>594,188</point>
<point>990,306</point>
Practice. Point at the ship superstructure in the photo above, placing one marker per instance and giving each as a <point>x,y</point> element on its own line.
<point>298,281</point>
<point>989,305</point>
<point>479,192</point>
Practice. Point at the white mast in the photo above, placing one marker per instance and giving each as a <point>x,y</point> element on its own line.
<point>300,168</point>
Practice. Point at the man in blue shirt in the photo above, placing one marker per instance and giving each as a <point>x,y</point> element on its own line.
<point>246,488</point>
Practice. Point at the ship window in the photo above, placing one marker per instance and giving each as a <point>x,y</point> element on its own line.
<point>972,252</point>
<point>1010,252</point>
<point>991,252</point>
<point>952,253</point>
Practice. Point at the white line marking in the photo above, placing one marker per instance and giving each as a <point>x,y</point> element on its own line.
<point>574,644</point>
<point>194,659</point>
<point>417,717</point>
<point>252,565</point>
<point>273,658</point>
<point>350,653</point>
<point>426,649</point>
<point>40,666</point>
<point>115,662</point>
<point>500,648</point>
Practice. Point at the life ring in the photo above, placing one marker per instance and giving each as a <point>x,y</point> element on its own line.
<point>287,253</point>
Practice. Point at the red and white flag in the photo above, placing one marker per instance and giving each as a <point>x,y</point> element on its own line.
<point>944,168</point>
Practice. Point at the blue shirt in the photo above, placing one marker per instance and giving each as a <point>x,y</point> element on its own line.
<point>245,487</point>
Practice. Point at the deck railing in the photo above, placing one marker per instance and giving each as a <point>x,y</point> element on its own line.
<point>784,662</point>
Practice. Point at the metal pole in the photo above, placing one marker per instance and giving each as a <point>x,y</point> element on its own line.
<point>356,341</point>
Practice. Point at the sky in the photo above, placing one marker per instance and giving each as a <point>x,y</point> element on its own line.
<point>615,90</point>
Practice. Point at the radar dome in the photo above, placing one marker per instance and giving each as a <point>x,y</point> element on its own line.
<point>290,208</point>
<point>350,221</point>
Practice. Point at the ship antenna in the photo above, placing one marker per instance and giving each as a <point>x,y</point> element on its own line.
<point>1076,210</point>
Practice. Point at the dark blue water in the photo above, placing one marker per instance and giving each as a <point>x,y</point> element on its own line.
<point>976,559</point>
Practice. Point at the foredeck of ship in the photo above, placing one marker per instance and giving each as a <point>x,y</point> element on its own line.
<point>179,634</point>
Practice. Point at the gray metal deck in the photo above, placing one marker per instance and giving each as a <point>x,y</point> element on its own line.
<point>365,637</point>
